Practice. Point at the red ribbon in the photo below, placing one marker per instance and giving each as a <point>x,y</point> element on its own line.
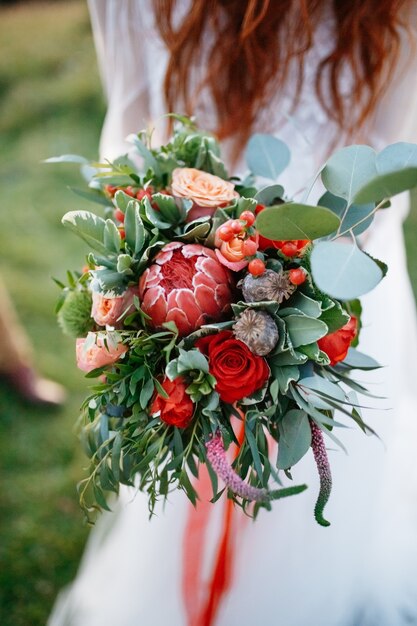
<point>202,601</point>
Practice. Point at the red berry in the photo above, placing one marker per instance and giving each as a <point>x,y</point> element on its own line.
<point>289,249</point>
<point>236,226</point>
<point>142,193</point>
<point>225,233</point>
<point>249,247</point>
<point>119,215</point>
<point>256,267</point>
<point>111,190</point>
<point>297,276</point>
<point>248,217</point>
<point>122,232</point>
<point>259,208</point>
<point>130,191</point>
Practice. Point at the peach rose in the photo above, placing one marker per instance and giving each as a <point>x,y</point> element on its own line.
<point>204,189</point>
<point>107,311</point>
<point>97,354</point>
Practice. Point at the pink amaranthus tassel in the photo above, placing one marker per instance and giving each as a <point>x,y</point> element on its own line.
<point>322,462</point>
<point>217,457</point>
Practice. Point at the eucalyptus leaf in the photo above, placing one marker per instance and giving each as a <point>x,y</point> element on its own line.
<point>294,438</point>
<point>342,270</point>
<point>296,221</point>
<point>358,217</point>
<point>266,155</point>
<point>348,170</point>
<point>357,360</point>
<point>396,171</point>
<point>269,195</point>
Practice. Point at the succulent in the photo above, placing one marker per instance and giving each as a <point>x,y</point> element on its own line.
<point>273,286</point>
<point>257,330</point>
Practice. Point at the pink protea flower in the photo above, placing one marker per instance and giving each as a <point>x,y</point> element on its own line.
<point>217,458</point>
<point>186,285</point>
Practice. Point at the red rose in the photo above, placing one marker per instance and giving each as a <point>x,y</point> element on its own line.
<point>178,408</point>
<point>336,345</point>
<point>239,372</point>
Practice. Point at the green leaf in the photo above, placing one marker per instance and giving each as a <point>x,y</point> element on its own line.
<point>67,158</point>
<point>269,195</point>
<point>250,438</point>
<point>148,158</point>
<point>294,438</point>
<point>348,170</point>
<point>343,271</point>
<point>115,455</point>
<point>134,229</point>
<point>112,239</point>
<point>146,393</point>
<point>296,221</point>
<point>88,226</point>
<point>284,375</point>
<point>360,361</point>
<point>310,389</point>
<point>334,317</point>
<point>304,330</point>
<point>266,155</point>
<point>358,217</point>
<point>91,195</point>
<point>153,216</point>
<point>396,171</point>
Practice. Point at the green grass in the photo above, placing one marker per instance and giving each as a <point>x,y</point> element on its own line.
<point>50,103</point>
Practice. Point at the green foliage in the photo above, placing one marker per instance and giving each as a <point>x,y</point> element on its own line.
<point>296,221</point>
<point>343,271</point>
<point>267,156</point>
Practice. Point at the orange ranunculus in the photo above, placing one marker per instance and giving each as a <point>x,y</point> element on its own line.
<point>178,408</point>
<point>336,345</point>
<point>107,311</point>
<point>205,190</point>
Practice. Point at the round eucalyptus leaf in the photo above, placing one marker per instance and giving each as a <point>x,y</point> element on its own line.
<point>269,195</point>
<point>342,271</point>
<point>266,155</point>
<point>294,438</point>
<point>358,217</point>
<point>348,170</point>
<point>296,221</point>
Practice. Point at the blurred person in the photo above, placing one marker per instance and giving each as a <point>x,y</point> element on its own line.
<point>16,360</point>
<point>318,74</point>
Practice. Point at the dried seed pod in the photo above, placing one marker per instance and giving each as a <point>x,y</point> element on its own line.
<point>272,286</point>
<point>257,330</point>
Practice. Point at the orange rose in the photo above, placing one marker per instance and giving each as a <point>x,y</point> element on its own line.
<point>98,354</point>
<point>204,189</point>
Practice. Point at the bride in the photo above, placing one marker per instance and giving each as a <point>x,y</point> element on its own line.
<point>318,74</point>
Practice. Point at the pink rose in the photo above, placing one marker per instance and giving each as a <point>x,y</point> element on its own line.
<point>97,354</point>
<point>107,311</point>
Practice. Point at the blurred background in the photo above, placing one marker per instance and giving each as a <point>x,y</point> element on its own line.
<point>50,103</point>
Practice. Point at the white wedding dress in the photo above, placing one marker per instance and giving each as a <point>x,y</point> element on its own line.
<point>362,570</point>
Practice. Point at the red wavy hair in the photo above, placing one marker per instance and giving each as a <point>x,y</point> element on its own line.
<point>251,45</point>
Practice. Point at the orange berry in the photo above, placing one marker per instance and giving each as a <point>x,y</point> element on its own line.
<point>225,233</point>
<point>248,217</point>
<point>289,249</point>
<point>297,276</point>
<point>256,267</point>
<point>236,226</point>
<point>119,215</point>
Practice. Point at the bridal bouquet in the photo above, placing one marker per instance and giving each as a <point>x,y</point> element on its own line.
<point>220,318</point>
